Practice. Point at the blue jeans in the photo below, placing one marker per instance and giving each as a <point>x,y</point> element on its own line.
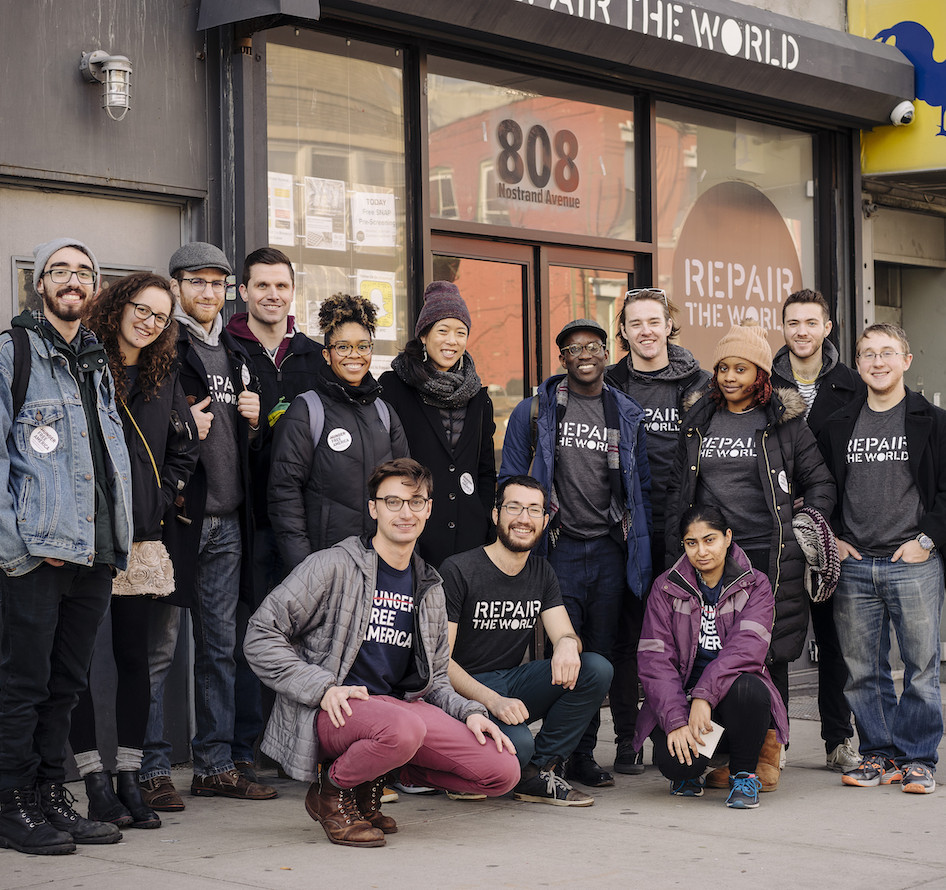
<point>164,625</point>
<point>49,618</point>
<point>592,575</point>
<point>872,594</point>
<point>564,712</point>
<point>214,615</point>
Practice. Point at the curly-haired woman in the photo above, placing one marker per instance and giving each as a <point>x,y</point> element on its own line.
<point>133,319</point>
<point>322,462</point>
<point>746,449</point>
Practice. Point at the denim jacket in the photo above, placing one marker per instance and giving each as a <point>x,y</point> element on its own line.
<point>47,490</point>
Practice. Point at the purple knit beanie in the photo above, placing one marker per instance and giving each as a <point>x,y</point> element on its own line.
<point>441,300</point>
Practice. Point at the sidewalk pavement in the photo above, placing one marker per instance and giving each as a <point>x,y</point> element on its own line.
<point>811,833</point>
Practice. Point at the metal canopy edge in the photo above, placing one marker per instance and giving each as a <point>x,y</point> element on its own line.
<point>214,13</point>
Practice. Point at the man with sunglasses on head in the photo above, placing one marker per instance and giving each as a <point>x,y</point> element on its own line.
<point>65,526</point>
<point>584,442</point>
<point>354,643</point>
<point>495,594</point>
<point>659,376</point>
<point>217,537</point>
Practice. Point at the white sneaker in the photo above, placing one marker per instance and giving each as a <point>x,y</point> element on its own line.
<point>415,789</point>
<point>843,758</point>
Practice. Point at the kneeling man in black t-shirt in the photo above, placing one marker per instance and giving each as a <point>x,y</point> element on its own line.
<point>494,596</point>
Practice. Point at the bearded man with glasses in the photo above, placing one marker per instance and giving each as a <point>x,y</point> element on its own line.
<point>584,441</point>
<point>354,643</point>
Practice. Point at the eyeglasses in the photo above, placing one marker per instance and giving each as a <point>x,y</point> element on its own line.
<point>200,283</point>
<point>887,355</point>
<point>534,510</point>
<point>144,313</point>
<point>343,349</point>
<point>394,503</point>
<point>62,276</point>
<point>655,292</point>
<point>592,348</point>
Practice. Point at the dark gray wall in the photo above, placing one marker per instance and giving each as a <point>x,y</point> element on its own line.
<point>54,126</point>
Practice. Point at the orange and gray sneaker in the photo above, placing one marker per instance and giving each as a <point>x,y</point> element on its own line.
<point>918,779</point>
<point>875,769</point>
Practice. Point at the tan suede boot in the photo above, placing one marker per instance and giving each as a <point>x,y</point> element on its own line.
<point>718,778</point>
<point>768,770</point>
<point>337,811</point>
<point>368,796</point>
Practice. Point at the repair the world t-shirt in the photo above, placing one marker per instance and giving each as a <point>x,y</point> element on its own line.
<point>385,655</point>
<point>729,476</point>
<point>709,644</point>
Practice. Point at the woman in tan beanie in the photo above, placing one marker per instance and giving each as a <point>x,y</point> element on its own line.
<point>746,449</point>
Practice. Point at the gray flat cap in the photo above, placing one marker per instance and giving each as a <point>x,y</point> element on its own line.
<point>198,255</point>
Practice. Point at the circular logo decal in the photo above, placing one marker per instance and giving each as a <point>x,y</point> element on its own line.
<point>44,439</point>
<point>466,483</point>
<point>338,439</point>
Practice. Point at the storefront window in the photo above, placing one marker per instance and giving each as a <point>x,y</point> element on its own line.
<point>526,153</point>
<point>735,220</point>
<point>335,130</point>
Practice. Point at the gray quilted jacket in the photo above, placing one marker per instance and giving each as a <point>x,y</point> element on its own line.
<point>306,635</point>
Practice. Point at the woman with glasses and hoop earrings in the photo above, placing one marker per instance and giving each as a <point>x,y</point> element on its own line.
<point>331,438</point>
<point>746,449</point>
<point>448,417</point>
<point>133,320</point>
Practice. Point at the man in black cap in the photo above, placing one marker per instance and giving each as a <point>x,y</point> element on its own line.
<point>65,525</point>
<point>214,553</point>
<point>584,441</point>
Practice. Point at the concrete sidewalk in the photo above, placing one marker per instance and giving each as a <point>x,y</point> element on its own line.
<point>813,832</point>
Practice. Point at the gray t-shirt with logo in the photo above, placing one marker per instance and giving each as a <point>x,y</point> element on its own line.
<point>729,476</point>
<point>581,468</point>
<point>880,503</point>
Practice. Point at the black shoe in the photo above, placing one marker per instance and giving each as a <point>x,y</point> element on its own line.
<point>104,806</point>
<point>129,793</point>
<point>627,760</point>
<point>23,826</point>
<point>582,768</point>
<point>56,801</point>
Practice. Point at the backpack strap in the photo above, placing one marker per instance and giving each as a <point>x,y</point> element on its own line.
<point>22,366</point>
<point>316,415</point>
<point>384,413</point>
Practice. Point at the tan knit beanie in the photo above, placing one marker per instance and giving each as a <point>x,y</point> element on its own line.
<point>746,341</point>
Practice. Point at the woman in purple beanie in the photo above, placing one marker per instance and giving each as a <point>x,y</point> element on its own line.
<point>448,417</point>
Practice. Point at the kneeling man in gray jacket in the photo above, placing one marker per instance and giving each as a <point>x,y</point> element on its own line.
<point>354,642</point>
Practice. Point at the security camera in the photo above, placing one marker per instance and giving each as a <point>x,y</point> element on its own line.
<point>903,114</point>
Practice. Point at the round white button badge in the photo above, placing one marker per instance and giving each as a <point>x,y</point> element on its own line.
<point>44,439</point>
<point>466,483</point>
<point>339,439</point>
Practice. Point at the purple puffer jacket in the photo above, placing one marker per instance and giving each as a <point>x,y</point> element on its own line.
<point>668,645</point>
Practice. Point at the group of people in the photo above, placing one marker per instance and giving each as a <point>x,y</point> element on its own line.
<point>348,542</point>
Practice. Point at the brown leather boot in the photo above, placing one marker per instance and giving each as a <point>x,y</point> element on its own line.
<point>368,795</point>
<point>337,811</point>
<point>768,770</point>
<point>718,778</point>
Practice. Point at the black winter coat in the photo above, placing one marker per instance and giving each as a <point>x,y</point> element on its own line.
<point>319,496</point>
<point>789,461</point>
<point>461,516</point>
<point>194,383</point>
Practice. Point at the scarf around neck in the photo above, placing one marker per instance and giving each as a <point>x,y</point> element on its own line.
<point>440,389</point>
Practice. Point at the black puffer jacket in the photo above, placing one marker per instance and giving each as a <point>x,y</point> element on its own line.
<point>789,462</point>
<point>319,496</point>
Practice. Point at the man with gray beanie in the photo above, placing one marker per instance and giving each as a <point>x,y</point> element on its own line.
<point>65,526</point>
<point>214,556</point>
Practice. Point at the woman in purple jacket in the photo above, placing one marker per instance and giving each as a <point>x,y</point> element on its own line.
<point>701,658</point>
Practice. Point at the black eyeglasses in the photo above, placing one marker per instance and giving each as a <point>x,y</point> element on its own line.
<point>394,503</point>
<point>364,348</point>
<point>655,292</point>
<point>200,283</point>
<point>144,313</point>
<point>534,510</point>
<point>63,276</point>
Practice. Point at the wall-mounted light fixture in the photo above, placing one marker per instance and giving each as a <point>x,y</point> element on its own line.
<point>115,73</point>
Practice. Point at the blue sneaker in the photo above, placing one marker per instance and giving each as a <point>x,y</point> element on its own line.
<point>687,787</point>
<point>743,791</point>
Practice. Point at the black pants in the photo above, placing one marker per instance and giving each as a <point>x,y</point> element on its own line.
<point>832,675</point>
<point>48,622</point>
<point>778,670</point>
<point>746,713</point>
<point>129,619</point>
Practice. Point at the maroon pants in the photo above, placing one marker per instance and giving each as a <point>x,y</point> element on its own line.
<point>431,748</point>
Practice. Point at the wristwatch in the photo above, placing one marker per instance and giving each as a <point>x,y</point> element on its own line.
<point>925,541</point>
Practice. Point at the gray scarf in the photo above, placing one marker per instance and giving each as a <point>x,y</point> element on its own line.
<point>441,389</point>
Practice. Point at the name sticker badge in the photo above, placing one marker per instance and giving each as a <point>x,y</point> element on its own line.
<point>338,439</point>
<point>783,481</point>
<point>44,439</point>
<point>466,483</point>
<point>245,376</point>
